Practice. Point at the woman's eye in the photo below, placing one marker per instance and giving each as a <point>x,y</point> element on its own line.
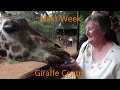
<point>90,28</point>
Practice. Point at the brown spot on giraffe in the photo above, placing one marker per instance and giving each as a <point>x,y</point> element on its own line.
<point>3,53</point>
<point>16,49</point>
<point>6,46</point>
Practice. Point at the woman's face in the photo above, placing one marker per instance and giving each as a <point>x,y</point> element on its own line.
<point>93,32</point>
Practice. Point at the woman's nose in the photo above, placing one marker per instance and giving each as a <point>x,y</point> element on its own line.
<point>87,32</point>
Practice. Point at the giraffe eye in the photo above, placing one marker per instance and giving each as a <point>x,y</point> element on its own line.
<point>9,29</point>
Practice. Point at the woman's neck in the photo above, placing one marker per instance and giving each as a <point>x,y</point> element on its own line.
<point>100,50</point>
<point>99,45</point>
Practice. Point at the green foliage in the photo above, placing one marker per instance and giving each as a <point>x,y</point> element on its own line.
<point>82,26</point>
<point>10,61</point>
<point>85,13</point>
<point>117,13</point>
<point>64,37</point>
<point>70,14</point>
<point>36,26</point>
<point>48,28</point>
<point>43,28</point>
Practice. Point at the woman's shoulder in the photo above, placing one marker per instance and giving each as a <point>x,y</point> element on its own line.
<point>83,47</point>
<point>115,53</point>
<point>117,47</point>
<point>84,44</point>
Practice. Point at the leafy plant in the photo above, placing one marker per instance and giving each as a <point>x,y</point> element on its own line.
<point>10,61</point>
<point>82,27</point>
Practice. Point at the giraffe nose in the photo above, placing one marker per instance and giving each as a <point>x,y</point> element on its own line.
<point>9,29</point>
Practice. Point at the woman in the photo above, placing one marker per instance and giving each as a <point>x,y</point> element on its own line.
<point>98,57</point>
<point>113,35</point>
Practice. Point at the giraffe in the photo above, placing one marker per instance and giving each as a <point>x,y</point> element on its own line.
<point>20,42</point>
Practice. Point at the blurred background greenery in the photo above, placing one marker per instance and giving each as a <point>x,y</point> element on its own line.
<point>49,28</point>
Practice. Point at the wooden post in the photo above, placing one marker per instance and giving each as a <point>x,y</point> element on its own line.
<point>78,15</point>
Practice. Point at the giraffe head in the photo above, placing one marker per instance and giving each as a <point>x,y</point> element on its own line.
<point>23,43</point>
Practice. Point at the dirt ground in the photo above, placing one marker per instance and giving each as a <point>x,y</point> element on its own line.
<point>15,70</point>
<point>71,49</point>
